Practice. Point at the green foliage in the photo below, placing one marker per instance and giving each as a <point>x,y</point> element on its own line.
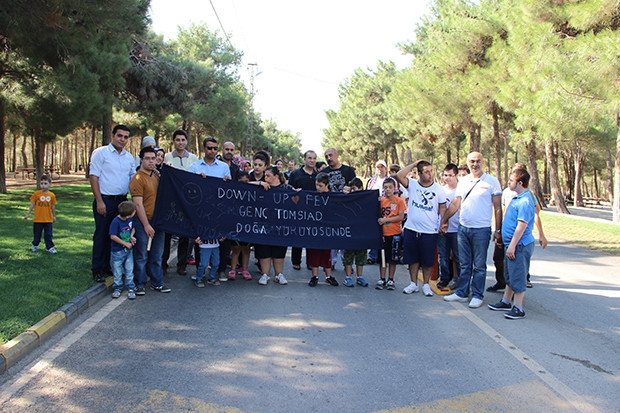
<point>36,284</point>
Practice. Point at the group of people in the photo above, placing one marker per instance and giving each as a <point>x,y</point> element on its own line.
<point>419,216</point>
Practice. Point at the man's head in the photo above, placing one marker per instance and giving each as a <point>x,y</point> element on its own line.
<point>425,173</point>
<point>331,156</point>
<point>463,171</point>
<point>475,161</point>
<point>291,166</point>
<point>394,169</point>
<point>381,168</point>
<point>148,156</point>
<point>519,180</point>
<point>120,136</point>
<point>179,140</point>
<point>310,159</point>
<point>209,145</point>
<point>148,141</point>
<point>228,151</point>
<point>449,175</point>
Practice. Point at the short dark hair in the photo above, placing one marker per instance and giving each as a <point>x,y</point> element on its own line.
<point>356,182</point>
<point>389,180</point>
<point>394,168</point>
<point>323,178</point>
<point>263,156</point>
<point>273,169</point>
<point>46,178</point>
<point>522,176</point>
<point>147,149</point>
<point>464,168</point>
<point>126,208</point>
<point>179,132</point>
<point>208,139</point>
<point>120,127</point>
<point>307,152</point>
<point>421,165</point>
<point>452,167</point>
<point>242,174</point>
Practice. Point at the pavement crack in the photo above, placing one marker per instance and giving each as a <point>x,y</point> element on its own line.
<point>585,363</point>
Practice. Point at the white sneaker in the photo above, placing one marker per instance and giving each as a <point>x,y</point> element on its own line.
<point>426,289</point>
<point>52,250</point>
<point>454,297</point>
<point>34,248</point>
<point>280,279</point>
<point>411,288</point>
<point>475,303</point>
<point>264,279</point>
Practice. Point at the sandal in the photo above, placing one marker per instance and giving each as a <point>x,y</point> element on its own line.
<point>232,274</point>
<point>246,275</point>
<point>213,281</point>
<point>297,267</point>
<point>199,284</point>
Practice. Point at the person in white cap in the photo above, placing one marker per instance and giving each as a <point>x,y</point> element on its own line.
<point>146,141</point>
<point>376,182</point>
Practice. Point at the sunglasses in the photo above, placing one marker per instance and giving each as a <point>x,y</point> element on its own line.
<point>211,148</point>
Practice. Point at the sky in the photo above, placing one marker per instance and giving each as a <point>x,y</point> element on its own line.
<point>302,50</point>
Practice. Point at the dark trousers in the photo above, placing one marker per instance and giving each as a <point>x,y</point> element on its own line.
<point>225,247</point>
<point>43,227</point>
<point>182,246</point>
<point>498,260</point>
<point>101,238</point>
<point>296,255</point>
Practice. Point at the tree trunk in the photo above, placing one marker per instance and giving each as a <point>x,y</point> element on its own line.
<point>66,164</point>
<point>39,154</point>
<point>2,133</point>
<point>497,145</point>
<point>616,206</point>
<point>106,126</point>
<point>474,137</point>
<point>535,187</point>
<point>14,164</point>
<point>24,152</point>
<point>556,190</point>
<point>609,188</point>
<point>578,162</point>
<point>93,135</point>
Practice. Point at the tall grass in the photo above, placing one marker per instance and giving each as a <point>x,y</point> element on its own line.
<point>32,285</point>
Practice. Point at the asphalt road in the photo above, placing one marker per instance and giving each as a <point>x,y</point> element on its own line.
<point>242,347</point>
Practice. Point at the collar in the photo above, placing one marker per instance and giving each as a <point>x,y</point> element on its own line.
<point>176,155</point>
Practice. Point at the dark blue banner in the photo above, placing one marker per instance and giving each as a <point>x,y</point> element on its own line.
<point>191,206</point>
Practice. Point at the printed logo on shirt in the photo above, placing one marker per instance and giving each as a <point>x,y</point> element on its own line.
<point>44,198</point>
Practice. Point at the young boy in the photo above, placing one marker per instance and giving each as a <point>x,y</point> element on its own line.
<point>121,255</point>
<point>320,258</point>
<point>43,202</point>
<point>392,214</point>
<point>518,243</point>
<point>209,252</point>
<point>359,256</point>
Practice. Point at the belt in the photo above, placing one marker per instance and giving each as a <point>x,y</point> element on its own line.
<point>115,197</point>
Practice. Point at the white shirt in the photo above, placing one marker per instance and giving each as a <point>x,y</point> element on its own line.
<point>477,207</point>
<point>424,201</point>
<point>113,169</point>
<point>453,222</point>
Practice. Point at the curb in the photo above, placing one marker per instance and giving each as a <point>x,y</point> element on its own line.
<point>22,345</point>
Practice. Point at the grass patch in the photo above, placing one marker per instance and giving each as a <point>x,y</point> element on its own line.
<point>36,284</point>
<point>599,236</point>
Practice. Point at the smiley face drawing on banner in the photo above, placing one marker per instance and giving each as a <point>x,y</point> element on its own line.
<point>192,193</point>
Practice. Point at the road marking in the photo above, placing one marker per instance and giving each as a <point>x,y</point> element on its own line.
<point>36,367</point>
<point>556,385</point>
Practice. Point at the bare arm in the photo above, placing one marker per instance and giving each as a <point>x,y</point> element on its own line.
<point>141,213</point>
<point>29,211</point>
<point>402,174</point>
<point>397,218</point>
<point>541,235</point>
<point>454,206</point>
<point>510,251</point>
<point>116,239</point>
<point>497,209</point>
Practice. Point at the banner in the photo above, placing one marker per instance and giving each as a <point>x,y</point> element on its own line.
<point>190,205</point>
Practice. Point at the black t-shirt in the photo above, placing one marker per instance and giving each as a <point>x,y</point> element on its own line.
<point>339,178</point>
<point>300,179</point>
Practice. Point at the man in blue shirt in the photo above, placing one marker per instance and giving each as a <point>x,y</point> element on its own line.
<point>518,243</point>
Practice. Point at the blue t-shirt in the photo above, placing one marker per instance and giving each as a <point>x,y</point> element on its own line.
<point>121,229</point>
<point>521,208</point>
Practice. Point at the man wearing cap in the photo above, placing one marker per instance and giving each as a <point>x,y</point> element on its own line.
<point>146,141</point>
<point>111,169</point>
<point>179,158</point>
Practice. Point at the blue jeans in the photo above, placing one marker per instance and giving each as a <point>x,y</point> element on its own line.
<point>206,255</point>
<point>473,247</point>
<point>147,264</point>
<point>38,229</point>
<point>447,242</point>
<point>121,263</point>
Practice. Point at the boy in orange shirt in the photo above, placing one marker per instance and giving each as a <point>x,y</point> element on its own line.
<point>392,214</point>
<point>43,202</point>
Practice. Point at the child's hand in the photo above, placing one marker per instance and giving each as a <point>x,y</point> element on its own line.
<point>381,221</point>
<point>26,218</point>
<point>128,245</point>
<point>222,239</point>
<point>198,240</point>
<point>132,240</point>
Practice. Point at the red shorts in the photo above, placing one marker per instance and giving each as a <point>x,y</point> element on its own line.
<point>319,258</point>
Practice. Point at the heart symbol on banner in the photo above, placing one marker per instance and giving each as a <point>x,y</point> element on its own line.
<point>295,199</point>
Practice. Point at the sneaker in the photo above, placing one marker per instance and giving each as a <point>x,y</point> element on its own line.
<point>348,282</point>
<point>475,303</point>
<point>232,275</point>
<point>411,288</point>
<point>222,276</point>
<point>331,281</point>
<point>116,294</point>
<point>453,283</point>
<point>380,284</point>
<point>264,279</point>
<point>514,314</point>
<point>280,279</point>
<point>496,288</point>
<point>34,248</point>
<point>442,285</point>
<point>161,289</point>
<point>455,297</point>
<point>390,285</point>
<point>362,281</point>
<point>246,275</point>
<point>52,251</point>
<point>131,295</point>
<point>191,260</point>
<point>426,289</point>
<point>181,270</point>
<point>193,277</point>
<point>313,281</point>
<point>140,291</point>
<point>500,306</point>
<point>213,281</point>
